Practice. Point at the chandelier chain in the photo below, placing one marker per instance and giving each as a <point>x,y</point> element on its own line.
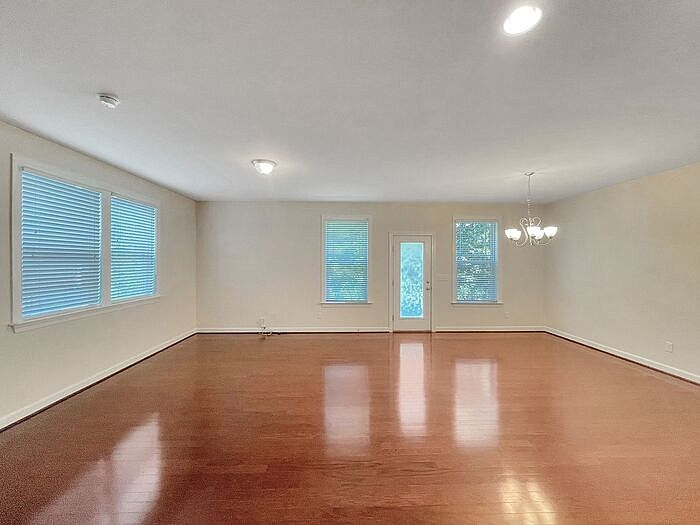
<point>529,197</point>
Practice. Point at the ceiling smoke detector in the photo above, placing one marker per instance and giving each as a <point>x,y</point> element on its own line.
<point>107,100</point>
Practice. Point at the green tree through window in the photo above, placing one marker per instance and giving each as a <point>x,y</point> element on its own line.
<point>476,261</point>
<point>411,280</point>
<point>346,255</point>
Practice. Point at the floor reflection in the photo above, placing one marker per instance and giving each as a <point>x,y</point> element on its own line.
<point>412,389</point>
<point>125,483</point>
<point>346,409</point>
<point>476,403</point>
<point>527,499</point>
<point>315,428</point>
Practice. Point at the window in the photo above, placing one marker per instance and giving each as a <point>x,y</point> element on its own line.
<point>476,261</point>
<point>76,248</point>
<point>346,258</point>
<point>60,246</point>
<point>133,249</point>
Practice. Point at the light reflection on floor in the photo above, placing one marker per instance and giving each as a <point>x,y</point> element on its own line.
<point>412,389</point>
<point>127,482</point>
<point>476,422</point>
<point>526,500</point>
<point>346,409</point>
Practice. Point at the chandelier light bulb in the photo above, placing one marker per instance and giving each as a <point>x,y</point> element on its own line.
<point>532,230</point>
<point>550,231</point>
<point>511,232</point>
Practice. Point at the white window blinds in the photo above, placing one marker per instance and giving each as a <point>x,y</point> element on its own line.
<point>346,259</point>
<point>133,249</point>
<point>476,261</point>
<point>60,245</point>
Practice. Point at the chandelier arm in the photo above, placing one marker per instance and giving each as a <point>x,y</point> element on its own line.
<point>524,222</point>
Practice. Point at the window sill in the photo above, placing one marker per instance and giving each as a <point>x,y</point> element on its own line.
<point>39,322</point>
<point>477,303</point>
<point>349,303</point>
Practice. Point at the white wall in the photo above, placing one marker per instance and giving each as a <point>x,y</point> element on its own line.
<point>625,270</point>
<point>264,260</point>
<point>43,364</point>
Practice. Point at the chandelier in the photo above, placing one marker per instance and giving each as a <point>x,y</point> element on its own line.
<point>531,230</point>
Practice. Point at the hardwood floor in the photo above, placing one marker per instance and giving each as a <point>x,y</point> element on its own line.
<point>442,428</point>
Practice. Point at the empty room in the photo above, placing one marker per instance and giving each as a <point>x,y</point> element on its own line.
<point>350,261</point>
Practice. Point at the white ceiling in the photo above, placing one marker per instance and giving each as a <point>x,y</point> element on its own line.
<point>387,100</point>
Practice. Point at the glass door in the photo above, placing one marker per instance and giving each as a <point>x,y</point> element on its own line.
<point>411,282</point>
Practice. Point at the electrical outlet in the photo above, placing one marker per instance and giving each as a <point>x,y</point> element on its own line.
<point>261,322</point>
<point>669,347</point>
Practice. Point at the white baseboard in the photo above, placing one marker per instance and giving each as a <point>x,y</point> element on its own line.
<point>294,329</point>
<point>489,328</point>
<point>383,329</point>
<point>42,403</point>
<point>685,374</point>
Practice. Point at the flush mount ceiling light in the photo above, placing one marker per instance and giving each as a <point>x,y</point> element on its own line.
<point>535,234</point>
<point>264,167</point>
<point>108,101</point>
<point>522,20</point>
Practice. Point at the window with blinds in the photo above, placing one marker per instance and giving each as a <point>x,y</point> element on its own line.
<point>346,260</point>
<point>60,245</point>
<point>133,249</point>
<point>476,261</point>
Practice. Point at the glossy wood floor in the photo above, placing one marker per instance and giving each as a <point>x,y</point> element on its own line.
<point>448,428</point>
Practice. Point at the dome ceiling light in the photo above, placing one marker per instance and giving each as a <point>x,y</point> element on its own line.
<point>263,166</point>
<point>522,20</point>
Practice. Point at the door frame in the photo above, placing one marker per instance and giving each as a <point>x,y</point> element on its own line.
<point>390,284</point>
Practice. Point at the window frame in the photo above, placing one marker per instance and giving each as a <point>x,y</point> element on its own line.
<point>499,262</point>
<point>326,218</point>
<point>18,322</point>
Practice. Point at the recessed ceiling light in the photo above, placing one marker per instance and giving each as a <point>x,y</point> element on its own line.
<point>108,101</point>
<point>263,166</point>
<point>522,20</point>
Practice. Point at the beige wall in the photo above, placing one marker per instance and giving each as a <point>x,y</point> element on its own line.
<point>264,260</point>
<point>625,271</point>
<point>622,275</point>
<point>40,364</point>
